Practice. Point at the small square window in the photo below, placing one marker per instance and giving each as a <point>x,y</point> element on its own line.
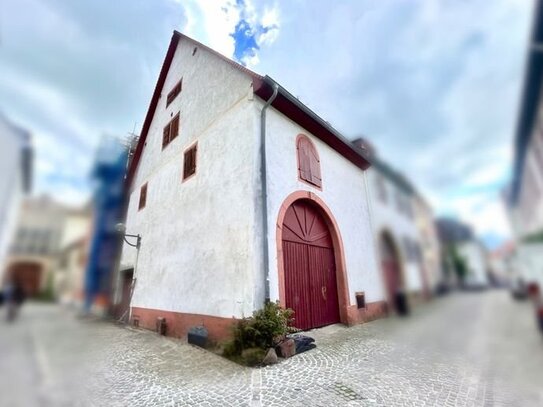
<point>143,197</point>
<point>189,162</point>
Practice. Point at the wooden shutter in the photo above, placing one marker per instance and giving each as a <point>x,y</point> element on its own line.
<point>174,127</point>
<point>314,166</point>
<point>174,92</point>
<point>166,136</point>
<point>304,160</point>
<point>189,164</point>
<point>143,197</point>
<point>308,162</point>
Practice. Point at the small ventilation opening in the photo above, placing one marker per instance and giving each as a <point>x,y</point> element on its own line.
<point>161,325</point>
<point>360,300</point>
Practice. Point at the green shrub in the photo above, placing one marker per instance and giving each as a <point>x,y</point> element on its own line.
<point>253,356</point>
<point>263,330</point>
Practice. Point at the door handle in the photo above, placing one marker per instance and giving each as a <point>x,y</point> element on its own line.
<point>323,292</point>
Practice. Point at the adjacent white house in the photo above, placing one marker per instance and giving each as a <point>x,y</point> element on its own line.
<point>241,194</point>
<point>430,246</point>
<point>398,230</point>
<point>476,259</point>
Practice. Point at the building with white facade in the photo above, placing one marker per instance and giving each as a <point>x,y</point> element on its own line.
<point>399,226</point>
<point>465,258</point>
<point>429,243</point>
<point>524,198</point>
<point>241,194</point>
<point>15,183</point>
<point>476,257</point>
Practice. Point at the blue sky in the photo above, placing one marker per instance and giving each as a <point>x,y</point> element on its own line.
<point>433,84</point>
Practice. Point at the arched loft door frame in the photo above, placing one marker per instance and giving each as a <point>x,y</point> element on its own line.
<point>339,252</point>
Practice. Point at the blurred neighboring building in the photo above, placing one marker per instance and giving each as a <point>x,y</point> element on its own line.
<point>502,264</point>
<point>459,244</point>
<point>73,256</point>
<point>33,257</point>
<point>429,242</point>
<point>109,205</point>
<point>398,223</point>
<point>15,182</point>
<point>524,197</point>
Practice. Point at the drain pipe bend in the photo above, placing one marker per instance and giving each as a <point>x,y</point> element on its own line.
<point>264,183</point>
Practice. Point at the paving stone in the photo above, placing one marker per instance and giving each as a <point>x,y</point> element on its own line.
<point>462,350</point>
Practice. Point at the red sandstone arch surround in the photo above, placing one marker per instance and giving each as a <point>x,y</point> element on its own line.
<point>392,265</point>
<point>339,254</point>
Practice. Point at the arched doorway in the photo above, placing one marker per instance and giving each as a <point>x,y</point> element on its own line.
<point>309,262</point>
<point>392,273</point>
<point>27,275</point>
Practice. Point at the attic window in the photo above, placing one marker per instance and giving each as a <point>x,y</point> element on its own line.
<point>309,167</point>
<point>170,131</point>
<point>143,197</point>
<point>174,92</point>
<point>189,162</point>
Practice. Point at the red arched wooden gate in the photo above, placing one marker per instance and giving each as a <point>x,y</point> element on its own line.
<point>310,267</point>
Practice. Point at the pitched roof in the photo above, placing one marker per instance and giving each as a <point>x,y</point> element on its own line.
<point>263,87</point>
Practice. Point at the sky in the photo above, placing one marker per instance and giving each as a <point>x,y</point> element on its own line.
<point>434,85</point>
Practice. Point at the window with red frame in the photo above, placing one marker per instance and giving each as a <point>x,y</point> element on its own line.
<point>309,166</point>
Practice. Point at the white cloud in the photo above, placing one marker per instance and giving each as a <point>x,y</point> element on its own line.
<point>427,82</point>
<point>433,84</point>
<point>213,22</point>
<point>250,60</point>
<point>487,217</point>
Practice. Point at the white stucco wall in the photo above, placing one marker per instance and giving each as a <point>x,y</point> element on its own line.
<point>198,237</point>
<point>387,216</point>
<point>475,256</point>
<point>343,191</point>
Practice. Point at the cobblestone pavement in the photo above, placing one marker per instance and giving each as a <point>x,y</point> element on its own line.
<point>472,349</point>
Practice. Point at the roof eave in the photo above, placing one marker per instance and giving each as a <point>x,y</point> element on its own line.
<point>295,110</point>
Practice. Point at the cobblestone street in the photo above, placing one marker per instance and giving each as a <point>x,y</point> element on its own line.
<point>472,349</point>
